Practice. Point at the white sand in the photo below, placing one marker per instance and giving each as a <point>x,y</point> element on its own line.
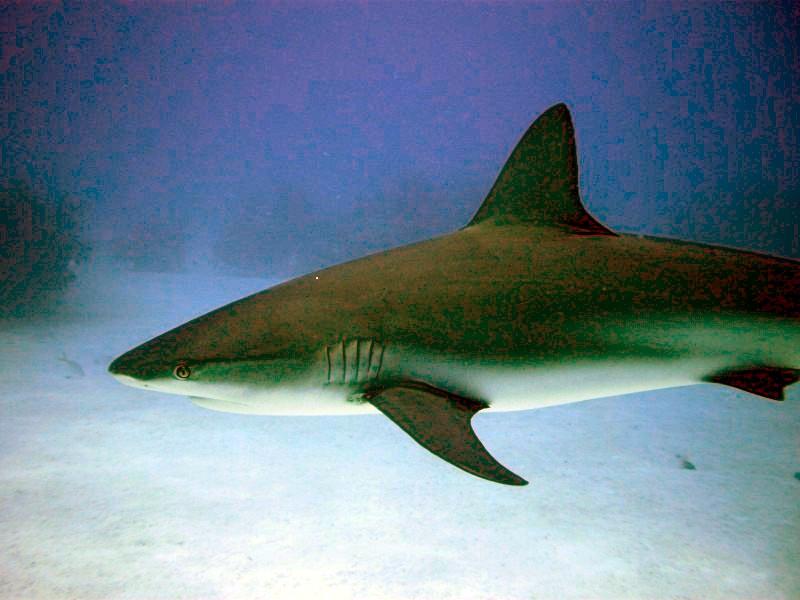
<point>113,492</point>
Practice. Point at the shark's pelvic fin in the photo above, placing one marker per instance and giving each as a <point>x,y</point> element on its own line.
<point>539,183</point>
<point>767,382</point>
<point>440,422</point>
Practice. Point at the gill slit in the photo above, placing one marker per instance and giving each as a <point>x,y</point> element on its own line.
<point>328,354</point>
<point>344,362</point>
<point>380,361</point>
<point>358,358</point>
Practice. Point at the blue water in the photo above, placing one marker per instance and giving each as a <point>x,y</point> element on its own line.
<point>208,150</point>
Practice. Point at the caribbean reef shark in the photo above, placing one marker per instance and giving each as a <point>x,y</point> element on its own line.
<point>533,303</point>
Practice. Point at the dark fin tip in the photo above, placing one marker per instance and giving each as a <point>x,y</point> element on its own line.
<point>767,382</point>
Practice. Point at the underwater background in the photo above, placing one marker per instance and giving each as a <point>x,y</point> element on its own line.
<point>160,159</point>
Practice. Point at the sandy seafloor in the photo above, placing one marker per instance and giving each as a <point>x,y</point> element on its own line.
<point>114,492</point>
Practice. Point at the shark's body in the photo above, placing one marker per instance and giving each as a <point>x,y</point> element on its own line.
<point>534,303</point>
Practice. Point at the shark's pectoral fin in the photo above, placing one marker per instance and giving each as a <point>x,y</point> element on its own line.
<point>440,422</point>
<point>768,382</point>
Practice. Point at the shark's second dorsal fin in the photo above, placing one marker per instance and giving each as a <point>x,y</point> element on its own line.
<point>539,183</point>
<point>767,382</point>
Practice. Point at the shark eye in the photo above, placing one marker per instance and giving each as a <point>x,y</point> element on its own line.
<point>181,371</point>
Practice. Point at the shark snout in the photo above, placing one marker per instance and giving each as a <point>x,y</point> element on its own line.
<point>122,366</point>
<point>127,371</point>
<point>134,367</point>
<point>115,368</point>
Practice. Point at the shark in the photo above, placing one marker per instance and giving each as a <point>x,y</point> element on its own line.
<point>533,303</point>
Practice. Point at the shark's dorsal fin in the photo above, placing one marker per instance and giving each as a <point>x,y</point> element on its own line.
<point>539,182</point>
<point>440,422</point>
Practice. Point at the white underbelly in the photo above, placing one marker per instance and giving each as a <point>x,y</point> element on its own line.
<point>540,388</point>
<point>290,401</point>
<point>505,389</point>
<point>509,389</point>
